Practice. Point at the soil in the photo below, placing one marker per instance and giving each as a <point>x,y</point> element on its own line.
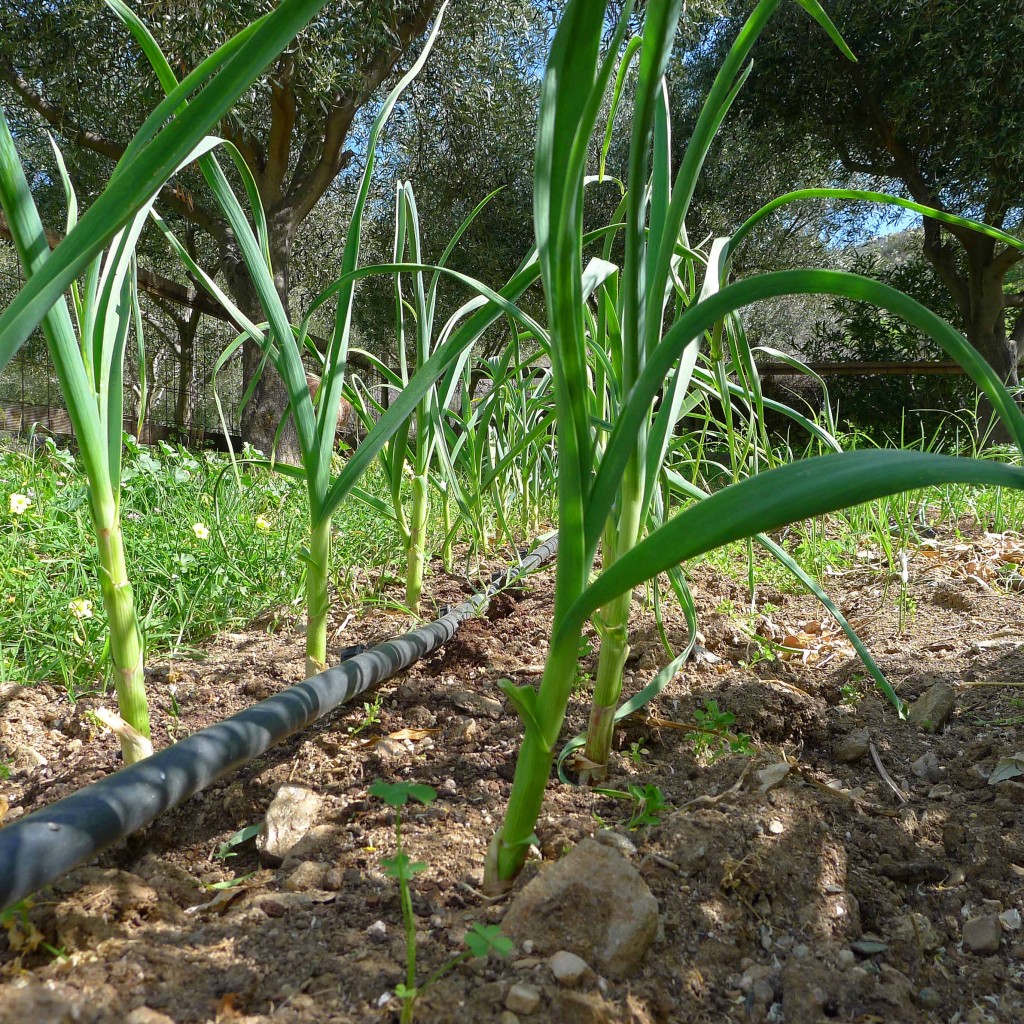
<point>839,894</point>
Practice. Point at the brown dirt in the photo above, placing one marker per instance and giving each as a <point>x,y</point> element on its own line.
<point>764,897</point>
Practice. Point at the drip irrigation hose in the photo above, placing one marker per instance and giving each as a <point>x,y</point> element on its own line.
<point>42,846</point>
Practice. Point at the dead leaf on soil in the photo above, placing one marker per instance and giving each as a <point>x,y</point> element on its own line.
<point>413,735</point>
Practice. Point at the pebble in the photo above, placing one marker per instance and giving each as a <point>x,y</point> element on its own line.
<point>522,999</point>
<point>508,1017</point>
<point>929,999</point>
<point>916,931</point>
<point>932,709</point>
<point>772,776</point>
<point>940,792</point>
<point>927,767</point>
<point>308,875</point>
<point>144,1015</point>
<point>377,932</point>
<point>982,934</point>
<point>852,747</point>
<point>616,841</point>
<point>291,814</point>
<point>776,827</point>
<point>1010,919</point>
<point>846,958</point>
<point>568,968</point>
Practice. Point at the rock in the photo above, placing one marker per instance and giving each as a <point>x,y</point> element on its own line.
<point>916,931</point>
<point>846,958</point>
<point>508,1017</point>
<point>772,776</point>
<point>982,934</point>
<point>144,1015</point>
<point>392,750</point>
<point>929,999</point>
<point>522,999</point>
<point>1010,919</point>
<point>474,703</point>
<point>927,767</point>
<point>592,902</point>
<point>942,791</point>
<point>568,968</point>
<point>582,1008</point>
<point>616,841</point>
<point>291,814</point>
<point>932,709</point>
<point>308,875</point>
<point>377,932</point>
<point>35,1003</point>
<point>852,747</point>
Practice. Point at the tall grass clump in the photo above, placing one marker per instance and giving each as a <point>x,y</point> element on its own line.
<point>615,479</point>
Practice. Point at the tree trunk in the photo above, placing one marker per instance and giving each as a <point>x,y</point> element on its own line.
<point>979,296</point>
<point>268,405</point>
<point>986,330</point>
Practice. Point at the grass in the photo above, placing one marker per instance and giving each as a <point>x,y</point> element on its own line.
<point>208,556</point>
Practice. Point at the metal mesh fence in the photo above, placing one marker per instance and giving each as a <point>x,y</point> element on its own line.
<point>180,348</point>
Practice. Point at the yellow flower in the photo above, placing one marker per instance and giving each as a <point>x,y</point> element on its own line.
<point>263,523</point>
<point>202,531</point>
<point>81,608</point>
<point>20,503</point>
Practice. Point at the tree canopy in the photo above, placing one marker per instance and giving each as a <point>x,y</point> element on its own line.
<point>932,109</point>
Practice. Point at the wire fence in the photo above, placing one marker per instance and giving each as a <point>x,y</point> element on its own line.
<point>181,347</point>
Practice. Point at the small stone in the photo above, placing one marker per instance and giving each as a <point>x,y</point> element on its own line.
<point>927,767</point>
<point>474,703</point>
<point>291,814</point>
<point>940,792</point>
<point>528,947</point>
<point>929,999</point>
<point>508,1017</point>
<point>852,747</point>
<point>616,841</point>
<point>568,968</point>
<point>772,776</point>
<point>392,750</point>
<point>982,934</point>
<point>308,875</point>
<point>522,999</point>
<point>377,932</point>
<point>144,1015</point>
<point>1010,919</point>
<point>916,931</point>
<point>932,709</point>
<point>801,952</point>
<point>846,958</point>
<point>776,827</point>
<point>868,945</point>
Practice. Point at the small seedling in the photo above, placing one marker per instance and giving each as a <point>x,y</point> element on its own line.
<point>713,738</point>
<point>480,939</point>
<point>637,753</point>
<point>850,692</point>
<point>371,716</point>
<point>648,804</point>
<point>243,835</point>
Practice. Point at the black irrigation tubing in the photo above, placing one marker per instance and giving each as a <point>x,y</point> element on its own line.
<point>44,845</point>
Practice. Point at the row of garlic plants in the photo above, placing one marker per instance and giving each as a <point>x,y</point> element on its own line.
<point>629,347</point>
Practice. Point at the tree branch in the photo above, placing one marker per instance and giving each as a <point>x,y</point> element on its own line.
<point>306,190</point>
<point>282,124</point>
<point>173,196</point>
